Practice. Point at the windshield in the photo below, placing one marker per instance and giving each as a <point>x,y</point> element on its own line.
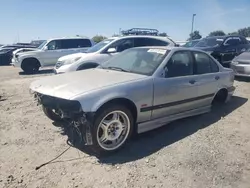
<point>210,42</point>
<point>191,43</point>
<point>137,60</point>
<point>41,46</point>
<point>4,50</point>
<point>99,45</point>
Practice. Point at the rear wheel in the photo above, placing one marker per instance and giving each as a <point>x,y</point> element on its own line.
<point>112,128</point>
<point>220,97</point>
<point>30,65</point>
<point>51,114</point>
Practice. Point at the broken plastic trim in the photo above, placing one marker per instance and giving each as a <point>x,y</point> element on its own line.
<point>70,109</point>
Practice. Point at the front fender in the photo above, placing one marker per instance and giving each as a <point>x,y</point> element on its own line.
<point>94,102</point>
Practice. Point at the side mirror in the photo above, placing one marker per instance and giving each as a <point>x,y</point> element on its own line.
<point>225,44</point>
<point>45,48</point>
<point>111,50</point>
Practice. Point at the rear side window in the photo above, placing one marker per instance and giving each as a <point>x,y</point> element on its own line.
<point>75,43</point>
<point>232,41</point>
<point>149,42</point>
<point>204,64</point>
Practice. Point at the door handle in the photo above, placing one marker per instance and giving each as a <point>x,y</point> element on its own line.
<point>192,81</point>
<point>217,77</point>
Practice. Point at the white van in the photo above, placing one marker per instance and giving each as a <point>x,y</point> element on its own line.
<point>49,52</point>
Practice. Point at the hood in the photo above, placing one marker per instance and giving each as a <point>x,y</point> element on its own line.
<point>69,85</point>
<point>73,56</point>
<point>243,57</point>
<point>28,53</point>
<point>205,48</point>
<point>21,50</point>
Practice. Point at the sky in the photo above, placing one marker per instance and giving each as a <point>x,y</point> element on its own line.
<point>26,20</point>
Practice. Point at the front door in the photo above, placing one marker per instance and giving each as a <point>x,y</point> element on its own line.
<point>176,92</point>
<point>118,46</point>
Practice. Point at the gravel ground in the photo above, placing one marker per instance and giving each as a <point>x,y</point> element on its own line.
<point>211,150</point>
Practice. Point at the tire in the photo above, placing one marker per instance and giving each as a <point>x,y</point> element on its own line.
<point>220,97</point>
<point>87,66</point>
<point>30,65</point>
<point>125,131</point>
<point>51,115</point>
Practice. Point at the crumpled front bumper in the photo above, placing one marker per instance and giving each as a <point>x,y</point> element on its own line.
<point>70,111</point>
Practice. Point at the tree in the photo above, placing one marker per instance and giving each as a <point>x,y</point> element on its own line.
<point>233,33</point>
<point>195,35</point>
<point>98,38</point>
<point>244,32</point>
<point>163,34</point>
<point>217,33</point>
<point>115,35</point>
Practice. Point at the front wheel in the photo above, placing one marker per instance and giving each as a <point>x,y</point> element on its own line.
<point>30,65</point>
<point>112,127</point>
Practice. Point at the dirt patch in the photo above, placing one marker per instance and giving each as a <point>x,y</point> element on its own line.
<point>211,150</point>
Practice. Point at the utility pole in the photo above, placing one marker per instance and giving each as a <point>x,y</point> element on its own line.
<point>192,28</point>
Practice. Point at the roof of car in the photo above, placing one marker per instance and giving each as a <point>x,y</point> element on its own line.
<point>142,36</point>
<point>225,36</point>
<point>172,48</point>
<point>75,37</point>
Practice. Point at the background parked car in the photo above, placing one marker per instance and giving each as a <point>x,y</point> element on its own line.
<point>49,51</point>
<point>105,50</point>
<point>20,45</point>
<point>224,48</point>
<point>241,64</point>
<point>6,55</point>
<point>191,43</point>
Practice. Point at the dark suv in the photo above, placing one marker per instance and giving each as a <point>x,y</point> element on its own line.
<point>224,48</point>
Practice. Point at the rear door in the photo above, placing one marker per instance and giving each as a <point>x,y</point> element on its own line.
<point>230,48</point>
<point>206,73</point>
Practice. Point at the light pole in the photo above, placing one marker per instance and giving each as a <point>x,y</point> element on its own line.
<point>192,25</point>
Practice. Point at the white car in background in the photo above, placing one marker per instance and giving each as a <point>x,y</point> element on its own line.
<point>103,51</point>
<point>49,51</point>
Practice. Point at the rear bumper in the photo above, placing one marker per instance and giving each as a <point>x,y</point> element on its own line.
<point>241,69</point>
<point>230,93</point>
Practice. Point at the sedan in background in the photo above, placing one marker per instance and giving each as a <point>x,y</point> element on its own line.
<point>241,64</point>
<point>138,90</point>
<point>6,55</point>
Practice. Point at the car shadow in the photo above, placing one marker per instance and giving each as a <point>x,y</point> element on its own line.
<point>145,144</point>
<point>43,71</point>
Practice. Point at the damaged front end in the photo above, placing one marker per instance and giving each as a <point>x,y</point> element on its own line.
<point>70,111</point>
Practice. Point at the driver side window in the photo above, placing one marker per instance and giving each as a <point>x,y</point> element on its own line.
<point>122,44</point>
<point>54,45</point>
